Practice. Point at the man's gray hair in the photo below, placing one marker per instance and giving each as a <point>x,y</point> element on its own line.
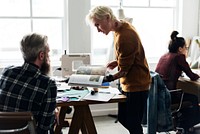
<point>32,45</point>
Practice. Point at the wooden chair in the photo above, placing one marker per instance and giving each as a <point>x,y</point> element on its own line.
<point>17,123</point>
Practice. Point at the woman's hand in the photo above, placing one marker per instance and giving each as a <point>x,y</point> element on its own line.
<point>111,65</point>
<point>108,78</point>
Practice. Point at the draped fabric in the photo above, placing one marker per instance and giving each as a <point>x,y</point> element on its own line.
<point>159,117</point>
<point>194,52</point>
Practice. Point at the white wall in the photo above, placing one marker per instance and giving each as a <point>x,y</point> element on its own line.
<point>78,31</point>
<point>190,18</point>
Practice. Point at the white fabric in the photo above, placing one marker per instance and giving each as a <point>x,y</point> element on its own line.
<point>194,52</point>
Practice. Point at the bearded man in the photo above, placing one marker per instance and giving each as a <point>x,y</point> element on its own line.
<point>28,87</point>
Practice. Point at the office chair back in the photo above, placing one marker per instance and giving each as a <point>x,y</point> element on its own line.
<point>177,104</point>
<point>17,123</point>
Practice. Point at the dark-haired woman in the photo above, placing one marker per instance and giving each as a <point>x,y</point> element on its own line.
<point>170,67</point>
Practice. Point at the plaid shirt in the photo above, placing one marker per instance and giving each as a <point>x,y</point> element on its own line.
<point>26,89</point>
<point>170,67</point>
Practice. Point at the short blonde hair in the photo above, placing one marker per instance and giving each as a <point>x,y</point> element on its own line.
<point>99,12</point>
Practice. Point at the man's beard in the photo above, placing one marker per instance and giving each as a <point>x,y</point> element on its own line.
<point>45,67</point>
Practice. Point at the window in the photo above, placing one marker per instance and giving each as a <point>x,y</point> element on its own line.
<point>19,17</point>
<point>153,19</point>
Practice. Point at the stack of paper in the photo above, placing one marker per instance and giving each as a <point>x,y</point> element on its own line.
<point>99,96</point>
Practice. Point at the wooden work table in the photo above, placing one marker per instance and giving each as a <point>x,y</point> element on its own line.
<point>189,86</point>
<point>82,119</point>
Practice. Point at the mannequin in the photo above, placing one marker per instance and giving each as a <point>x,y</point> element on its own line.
<point>121,15</point>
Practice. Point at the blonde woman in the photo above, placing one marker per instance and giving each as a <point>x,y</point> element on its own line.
<point>133,70</point>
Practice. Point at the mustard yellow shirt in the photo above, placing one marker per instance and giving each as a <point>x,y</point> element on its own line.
<point>131,58</point>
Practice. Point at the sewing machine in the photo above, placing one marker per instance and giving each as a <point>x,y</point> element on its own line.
<point>70,63</point>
